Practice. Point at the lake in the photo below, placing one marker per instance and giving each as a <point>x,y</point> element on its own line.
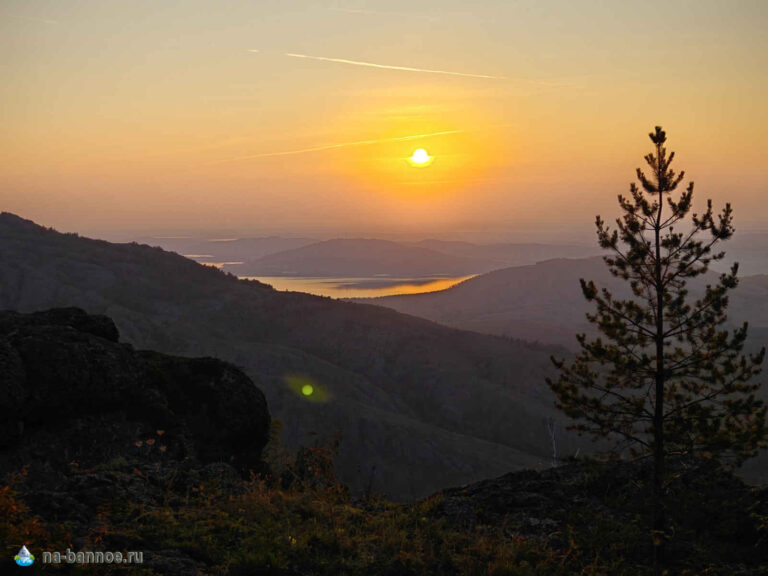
<point>358,287</point>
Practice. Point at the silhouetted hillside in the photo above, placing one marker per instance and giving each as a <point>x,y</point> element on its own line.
<point>543,302</point>
<point>419,406</point>
<point>540,302</point>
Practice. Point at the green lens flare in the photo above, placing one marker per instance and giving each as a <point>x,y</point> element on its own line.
<point>307,388</point>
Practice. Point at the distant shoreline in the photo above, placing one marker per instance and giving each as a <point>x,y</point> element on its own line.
<point>359,287</point>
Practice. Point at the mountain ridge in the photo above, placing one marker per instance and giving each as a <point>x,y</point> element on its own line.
<point>382,371</point>
<point>544,302</point>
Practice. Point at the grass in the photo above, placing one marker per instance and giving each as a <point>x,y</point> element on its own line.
<point>309,527</point>
<point>298,520</point>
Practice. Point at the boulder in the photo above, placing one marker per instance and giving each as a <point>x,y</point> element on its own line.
<point>71,393</point>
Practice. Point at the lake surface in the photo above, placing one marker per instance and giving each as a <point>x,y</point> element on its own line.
<point>358,287</point>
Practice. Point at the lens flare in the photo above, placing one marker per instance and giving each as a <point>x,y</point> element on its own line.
<point>307,388</point>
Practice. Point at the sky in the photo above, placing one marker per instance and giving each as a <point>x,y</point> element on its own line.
<point>300,116</point>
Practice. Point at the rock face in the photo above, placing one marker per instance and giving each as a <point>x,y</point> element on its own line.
<point>70,392</point>
<point>712,514</point>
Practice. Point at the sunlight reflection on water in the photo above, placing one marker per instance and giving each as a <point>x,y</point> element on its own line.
<point>358,287</point>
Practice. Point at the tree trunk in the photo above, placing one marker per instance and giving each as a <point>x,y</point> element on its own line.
<point>658,413</point>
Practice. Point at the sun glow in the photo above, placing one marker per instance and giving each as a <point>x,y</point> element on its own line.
<point>417,151</point>
<point>420,157</point>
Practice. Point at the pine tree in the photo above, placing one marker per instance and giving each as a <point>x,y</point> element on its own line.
<point>665,379</point>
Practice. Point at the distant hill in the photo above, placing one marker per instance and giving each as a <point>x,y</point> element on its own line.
<point>365,257</point>
<point>750,250</point>
<point>539,302</point>
<point>543,302</point>
<point>362,257</point>
<point>419,406</point>
<point>510,254</point>
<point>205,250</point>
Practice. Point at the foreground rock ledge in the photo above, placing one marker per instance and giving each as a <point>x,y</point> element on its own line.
<point>71,393</point>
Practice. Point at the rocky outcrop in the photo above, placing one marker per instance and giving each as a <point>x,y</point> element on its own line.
<point>72,395</point>
<point>712,515</point>
<point>87,422</point>
<point>69,391</point>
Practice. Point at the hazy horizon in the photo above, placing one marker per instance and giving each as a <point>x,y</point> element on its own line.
<point>581,234</point>
<point>300,118</point>
<point>577,235</point>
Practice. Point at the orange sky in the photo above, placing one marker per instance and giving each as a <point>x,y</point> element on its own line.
<point>299,116</point>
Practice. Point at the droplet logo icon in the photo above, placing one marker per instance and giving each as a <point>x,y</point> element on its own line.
<point>24,558</point>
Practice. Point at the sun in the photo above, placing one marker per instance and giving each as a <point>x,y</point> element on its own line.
<point>420,157</point>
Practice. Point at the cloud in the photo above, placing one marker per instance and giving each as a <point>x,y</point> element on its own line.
<point>345,145</point>
<point>390,67</point>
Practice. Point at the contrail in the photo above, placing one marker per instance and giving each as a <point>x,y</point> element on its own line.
<point>39,20</point>
<point>354,10</point>
<point>346,144</point>
<point>389,67</point>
